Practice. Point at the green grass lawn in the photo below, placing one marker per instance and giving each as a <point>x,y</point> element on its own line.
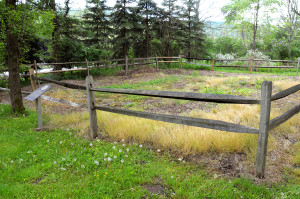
<point>59,164</point>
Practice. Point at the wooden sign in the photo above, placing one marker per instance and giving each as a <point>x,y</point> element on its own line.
<point>38,92</point>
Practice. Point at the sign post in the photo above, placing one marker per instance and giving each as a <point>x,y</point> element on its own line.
<point>36,95</point>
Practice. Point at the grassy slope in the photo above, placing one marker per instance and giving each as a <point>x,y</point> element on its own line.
<point>59,164</point>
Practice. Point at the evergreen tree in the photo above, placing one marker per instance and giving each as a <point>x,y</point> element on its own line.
<point>147,11</point>
<point>97,23</point>
<point>124,20</point>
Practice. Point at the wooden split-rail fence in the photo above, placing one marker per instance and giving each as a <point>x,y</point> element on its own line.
<point>155,61</point>
<point>265,124</point>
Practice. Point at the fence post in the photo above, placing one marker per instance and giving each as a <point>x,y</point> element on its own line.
<point>262,146</point>
<point>181,62</point>
<point>38,102</point>
<point>36,72</point>
<point>298,66</point>
<point>126,65</point>
<point>87,67</point>
<point>91,105</point>
<point>213,64</point>
<point>156,61</point>
<point>251,64</point>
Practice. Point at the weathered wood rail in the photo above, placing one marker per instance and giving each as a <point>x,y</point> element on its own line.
<point>265,125</point>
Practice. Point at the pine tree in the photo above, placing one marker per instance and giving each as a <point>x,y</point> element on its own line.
<point>97,23</point>
<point>125,23</point>
<point>147,11</point>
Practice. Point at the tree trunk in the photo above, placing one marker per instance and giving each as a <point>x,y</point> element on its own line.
<point>13,65</point>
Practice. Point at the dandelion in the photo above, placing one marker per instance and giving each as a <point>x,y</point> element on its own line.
<point>113,147</point>
<point>124,145</point>
<point>120,150</point>
<point>172,177</point>
<point>91,144</point>
<point>96,162</point>
<point>105,154</point>
<point>82,166</point>
<point>115,157</point>
<point>60,142</point>
<point>108,159</point>
<point>63,159</point>
<point>140,146</point>
<point>47,140</point>
<point>158,150</point>
<point>54,162</point>
<point>122,161</point>
<point>127,149</point>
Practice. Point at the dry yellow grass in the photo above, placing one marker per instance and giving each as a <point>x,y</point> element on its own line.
<point>186,139</point>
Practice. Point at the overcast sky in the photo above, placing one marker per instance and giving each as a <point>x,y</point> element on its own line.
<point>210,9</point>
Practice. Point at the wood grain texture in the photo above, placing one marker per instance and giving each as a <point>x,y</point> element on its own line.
<point>284,117</point>
<point>198,122</point>
<point>231,99</point>
<point>286,92</point>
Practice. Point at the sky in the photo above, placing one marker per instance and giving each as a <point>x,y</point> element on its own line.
<point>210,9</point>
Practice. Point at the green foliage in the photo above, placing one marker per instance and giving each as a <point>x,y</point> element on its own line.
<point>58,163</point>
<point>229,45</point>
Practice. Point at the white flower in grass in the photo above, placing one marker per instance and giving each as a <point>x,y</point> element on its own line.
<point>115,157</point>
<point>21,160</point>
<point>122,140</point>
<point>127,149</point>
<point>47,140</point>
<point>98,140</point>
<point>105,159</point>
<point>108,159</point>
<point>72,143</point>
<point>180,159</point>
<point>215,176</point>
<point>68,129</point>
<point>29,151</point>
<point>63,159</point>
<point>105,154</point>
<point>75,160</point>
<point>113,147</point>
<point>140,146</point>
<point>172,177</point>
<point>82,166</point>
<point>70,133</point>
<point>60,142</point>
<point>115,142</point>
<point>54,162</point>
<point>126,156</point>
<point>63,169</point>
<point>123,145</point>
<point>183,161</point>
<point>122,161</point>
<point>96,162</point>
<point>91,144</point>
<point>158,150</point>
<point>120,150</point>
<point>75,136</point>
<point>11,161</point>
